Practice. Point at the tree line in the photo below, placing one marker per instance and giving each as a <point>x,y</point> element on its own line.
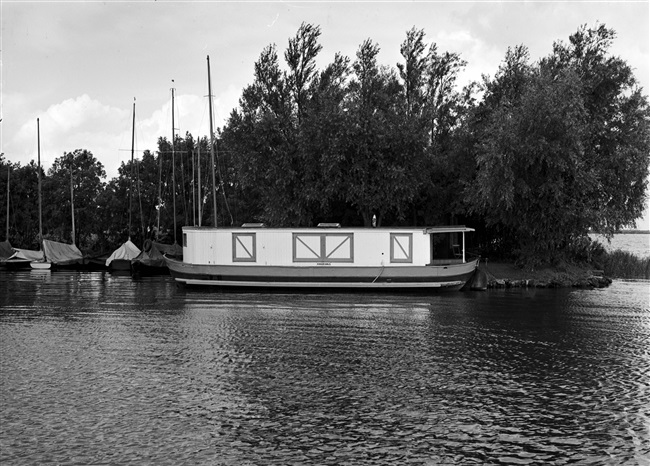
<point>142,202</point>
<point>533,157</point>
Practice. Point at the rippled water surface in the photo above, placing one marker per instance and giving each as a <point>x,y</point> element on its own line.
<point>634,243</point>
<point>97,369</point>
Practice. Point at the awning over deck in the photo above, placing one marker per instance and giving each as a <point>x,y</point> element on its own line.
<point>448,229</point>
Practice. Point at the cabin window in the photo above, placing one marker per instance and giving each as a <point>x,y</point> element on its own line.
<point>323,247</point>
<point>184,240</point>
<point>446,248</point>
<point>244,247</point>
<point>401,247</point>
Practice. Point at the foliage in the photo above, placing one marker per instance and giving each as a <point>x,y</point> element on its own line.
<point>23,204</point>
<point>617,134</point>
<point>553,160</point>
<point>76,177</point>
<point>263,137</point>
<point>622,264</point>
<point>383,157</point>
<point>310,146</point>
<point>449,165</point>
<point>533,158</point>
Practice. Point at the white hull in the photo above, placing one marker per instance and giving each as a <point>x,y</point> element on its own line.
<point>40,265</point>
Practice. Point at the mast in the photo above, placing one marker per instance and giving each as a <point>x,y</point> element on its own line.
<point>214,182</point>
<point>8,175</point>
<point>193,203</point>
<point>131,181</point>
<point>72,204</point>
<point>160,167</point>
<point>198,178</point>
<point>40,202</point>
<point>137,172</point>
<point>173,166</point>
<point>137,181</point>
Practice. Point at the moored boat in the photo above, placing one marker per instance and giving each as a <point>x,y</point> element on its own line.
<point>325,257</point>
<point>62,255</point>
<point>151,260</point>
<point>120,260</point>
<point>15,258</point>
<point>41,263</point>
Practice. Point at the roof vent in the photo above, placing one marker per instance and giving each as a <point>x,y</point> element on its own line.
<point>253,225</point>
<point>329,225</point>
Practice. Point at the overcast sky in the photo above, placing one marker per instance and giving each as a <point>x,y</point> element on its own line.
<point>78,65</point>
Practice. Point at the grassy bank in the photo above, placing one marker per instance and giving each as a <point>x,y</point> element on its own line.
<point>622,264</point>
<point>592,267</point>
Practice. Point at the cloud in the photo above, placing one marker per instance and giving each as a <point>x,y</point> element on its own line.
<point>73,114</point>
<point>64,127</point>
<point>86,123</point>
<point>481,58</point>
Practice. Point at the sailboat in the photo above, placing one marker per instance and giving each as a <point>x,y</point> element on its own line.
<point>42,264</point>
<point>120,259</point>
<point>6,251</point>
<point>15,258</point>
<point>62,254</point>
<point>151,260</point>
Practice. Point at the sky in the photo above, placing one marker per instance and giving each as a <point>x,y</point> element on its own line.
<point>77,66</point>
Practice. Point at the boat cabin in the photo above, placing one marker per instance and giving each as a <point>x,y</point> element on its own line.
<point>326,245</point>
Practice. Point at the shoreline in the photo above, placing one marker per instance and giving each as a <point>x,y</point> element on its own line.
<point>508,275</point>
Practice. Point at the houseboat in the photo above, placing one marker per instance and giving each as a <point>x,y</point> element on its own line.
<point>327,257</point>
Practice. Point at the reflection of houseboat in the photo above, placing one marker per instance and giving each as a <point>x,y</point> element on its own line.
<point>325,257</point>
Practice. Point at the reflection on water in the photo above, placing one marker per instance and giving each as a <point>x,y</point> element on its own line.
<point>103,369</point>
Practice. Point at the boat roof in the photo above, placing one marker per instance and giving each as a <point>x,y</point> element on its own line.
<point>321,227</point>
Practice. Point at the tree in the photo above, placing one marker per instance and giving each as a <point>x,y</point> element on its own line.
<point>112,203</point>
<point>561,147</point>
<point>301,57</point>
<point>616,148</point>
<point>23,203</point>
<point>442,110</point>
<point>324,135</point>
<point>86,174</point>
<point>413,70</point>
<point>531,176</point>
<point>382,164</point>
<point>265,133</point>
<point>263,136</point>
<point>145,194</point>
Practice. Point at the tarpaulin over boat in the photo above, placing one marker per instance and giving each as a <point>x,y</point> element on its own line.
<point>152,254</point>
<point>27,254</point>
<point>62,253</point>
<point>6,251</point>
<point>174,250</point>
<point>127,251</point>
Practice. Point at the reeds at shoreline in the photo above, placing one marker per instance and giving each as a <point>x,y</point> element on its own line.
<point>622,264</point>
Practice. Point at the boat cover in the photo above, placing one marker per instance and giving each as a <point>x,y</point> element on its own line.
<point>27,254</point>
<point>174,250</point>
<point>6,251</point>
<point>153,254</point>
<point>128,251</point>
<point>62,253</point>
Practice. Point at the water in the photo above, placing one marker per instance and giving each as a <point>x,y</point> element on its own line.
<point>97,369</point>
<point>634,243</point>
